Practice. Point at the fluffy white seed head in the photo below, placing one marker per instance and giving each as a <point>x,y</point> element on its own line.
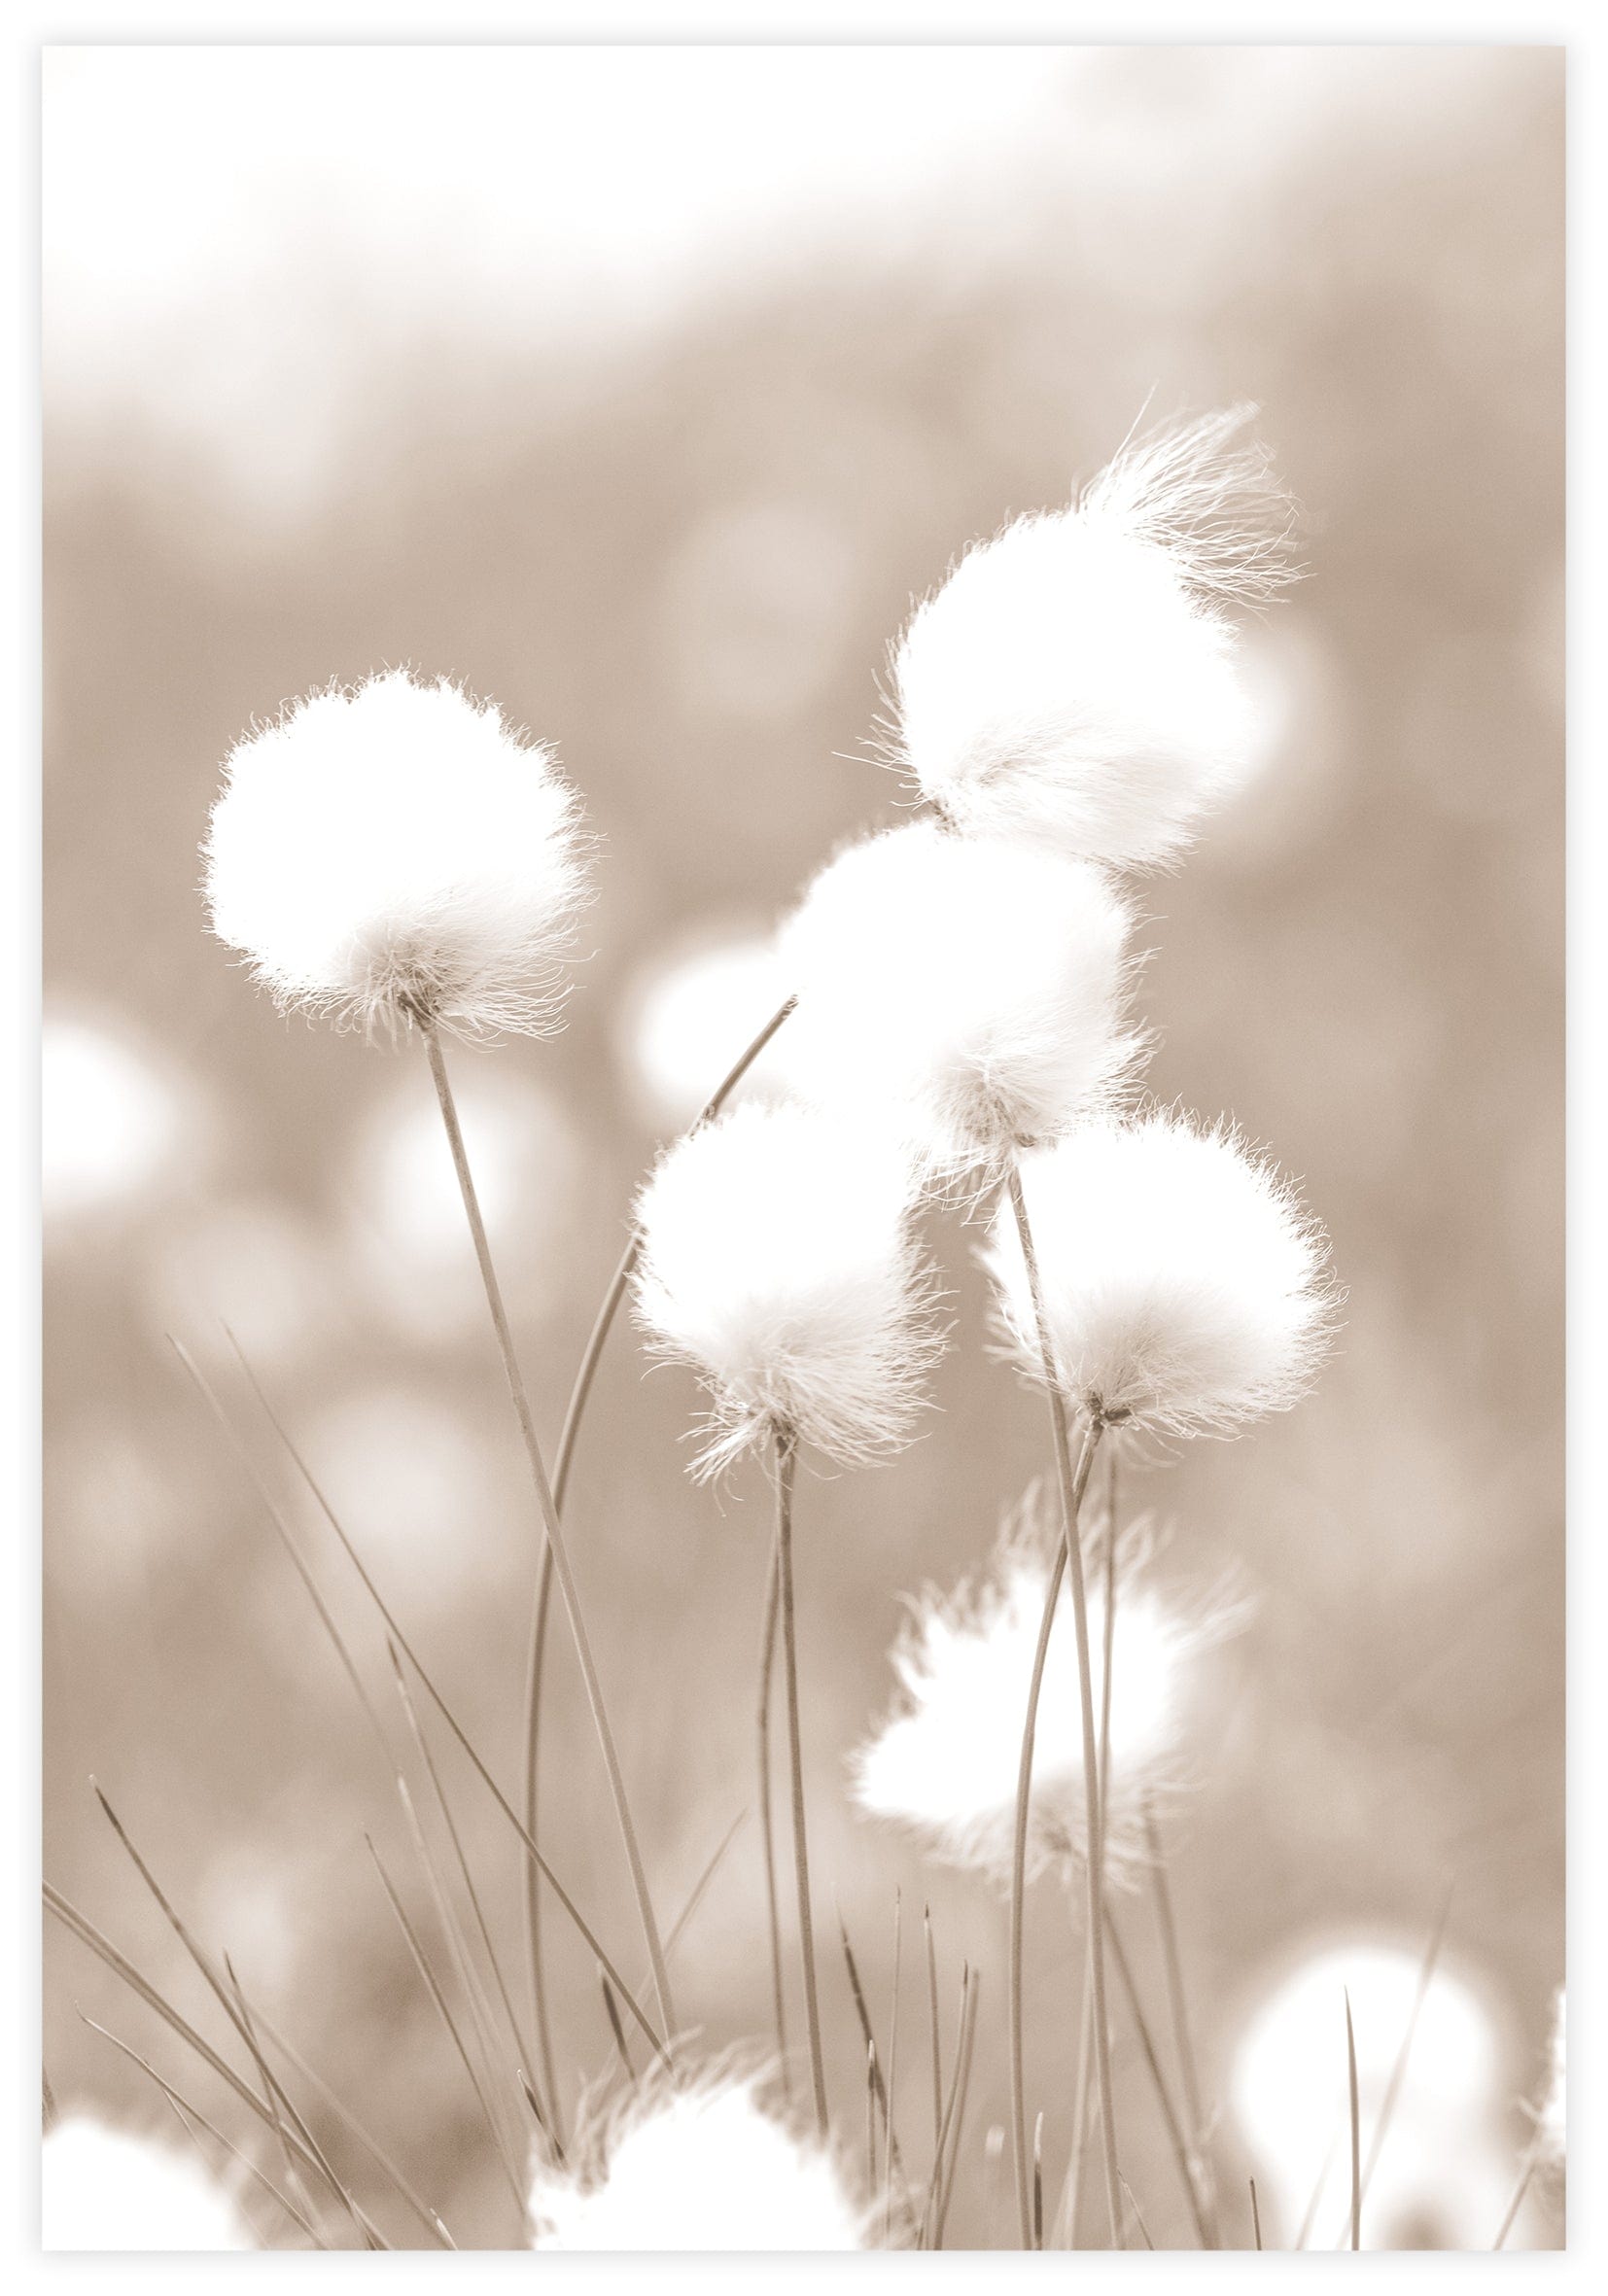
<point>969,990</point>
<point>394,849</point>
<point>1184,1285</point>
<point>778,1260</point>
<point>945,1762</point>
<point>103,2189</point>
<point>696,2168</point>
<point>1073,679</point>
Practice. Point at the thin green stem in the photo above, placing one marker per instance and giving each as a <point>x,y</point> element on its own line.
<point>563,1460</point>
<point>1073,1482</point>
<point>555,1545</point>
<point>786,1455</point>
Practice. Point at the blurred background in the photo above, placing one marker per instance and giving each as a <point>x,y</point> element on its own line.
<point>643,389</point>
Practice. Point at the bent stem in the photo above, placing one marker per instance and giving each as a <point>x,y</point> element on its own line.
<point>1074,1484</point>
<point>549,1514</point>
<point>563,1459</point>
<point>786,1454</point>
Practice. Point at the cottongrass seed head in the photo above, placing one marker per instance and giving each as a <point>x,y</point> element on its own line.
<point>945,1762</point>
<point>969,990</point>
<point>695,2167</point>
<point>1184,1285</point>
<point>778,1260</point>
<point>101,2188</point>
<point>395,850</point>
<point>1073,679</point>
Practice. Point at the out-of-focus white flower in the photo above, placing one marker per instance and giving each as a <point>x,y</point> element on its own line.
<point>406,1215</point>
<point>688,1015</point>
<point>1183,1283</point>
<point>946,1762</point>
<point>394,849</point>
<point>1552,2120</point>
<point>1442,2176</point>
<point>968,989</point>
<point>699,2168</point>
<point>103,2189</point>
<point>110,1122</point>
<point>777,1259</point>
<point>1074,679</point>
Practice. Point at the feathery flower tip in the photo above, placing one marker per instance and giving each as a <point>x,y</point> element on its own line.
<point>394,850</point>
<point>1074,679</point>
<point>698,2169</point>
<point>777,1259</point>
<point>968,989</point>
<point>1183,1284</point>
<point>945,1762</point>
<point>102,2189</point>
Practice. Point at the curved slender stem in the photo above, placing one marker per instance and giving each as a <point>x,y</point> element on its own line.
<point>563,1460</point>
<point>1073,1482</point>
<point>767,1832</point>
<point>549,1514</point>
<point>786,1454</point>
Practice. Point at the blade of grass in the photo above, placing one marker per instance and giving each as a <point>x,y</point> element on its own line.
<point>422,1746</point>
<point>1398,2070</point>
<point>88,1935</point>
<point>1311,2217</point>
<point>563,1461</point>
<point>1144,2229</point>
<point>434,1989</point>
<point>220,1991</point>
<point>427,2217</point>
<point>265,2077</point>
<point>617,2030</point>
<point>1356,2127</point>
<point>937,2039</point>
<point>1182,2037</point>
<point>1527,2172</point>
<point>447,1922</point>
<point>695,1895</point>
<point>622,1990</point>
<point>869,2042</point>
<point>972,1986</point>
<point>188,2113</point>
<point>892,2074</point>
<point>79,1926</point>
<point>1175,2128</point>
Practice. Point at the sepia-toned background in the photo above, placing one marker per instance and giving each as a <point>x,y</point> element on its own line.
<point>643,390</point>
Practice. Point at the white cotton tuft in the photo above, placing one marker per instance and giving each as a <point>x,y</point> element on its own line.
<point>394,850</point>
<point>968,992</point>
<point>1184,1285</point>
<point>102,2189</point>
<point>1073,679</point>
<point>1552,2120</point>
<point>698,2168</point>
<point>945,1762</point>
<point>777,1259</point>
